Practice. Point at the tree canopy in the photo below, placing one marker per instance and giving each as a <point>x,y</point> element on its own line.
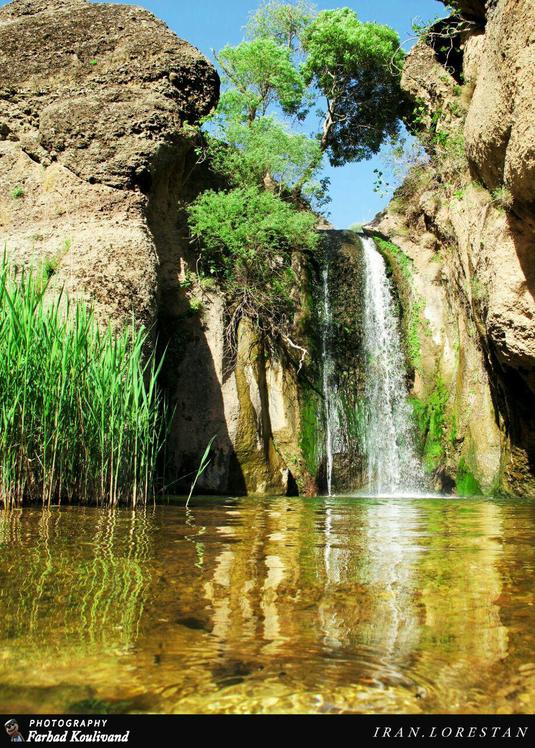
<point>248,234</point>
<point>283,22</point>
<point>260,73</point>
<point>357,67</point>
<point>266,152</point>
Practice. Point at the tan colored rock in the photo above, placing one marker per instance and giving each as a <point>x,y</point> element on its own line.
<point>480,304</point>
<point>500,130</point>
<point>426,80</point>
<point>98,87</point>
<point>93,99</point>
<point>251,407</point>
<point>473,49</point>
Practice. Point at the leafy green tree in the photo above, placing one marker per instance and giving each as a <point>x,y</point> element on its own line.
<point>357,68</point>
<point>283,22</point>
<point>248,235</point>
<point>266,153</point>
<point>260,73</point>
<point>247,238</point>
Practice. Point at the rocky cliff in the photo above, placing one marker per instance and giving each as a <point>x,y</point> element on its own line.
<point>94,102</point>
<point>465,222</point>
<point>98,107</point>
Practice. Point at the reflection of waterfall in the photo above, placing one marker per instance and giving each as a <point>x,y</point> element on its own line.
<point>389,567</point>
<point>329,389</point>
<point>389,438</point>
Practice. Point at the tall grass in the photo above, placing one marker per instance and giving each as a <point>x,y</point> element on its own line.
<point>81,416</point>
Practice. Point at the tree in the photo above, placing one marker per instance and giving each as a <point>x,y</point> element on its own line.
<point>283,22</point>
<point>247,237</point>
<point>267,153</point>
<point>260,73</point>
<point>357,68</point>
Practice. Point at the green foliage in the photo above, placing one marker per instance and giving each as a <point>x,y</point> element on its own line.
<point>247,238</point>
<point>502,198</point>
<point>466,483</point>
<point>430,417</point>
<point>455,108</point>
<point>241,223</point>
<point>283,22</point>
<point>311,440</point>
<point>195,305</point>
<point>414,349</point>
<point>203,464</point>
<point>17,192</point>
<point>357,67</point>
<point>392,250</point>
<point>404,159</point>
<point>412,306</point>
<point>443,139</point>
<point>81,415</point>
<point>478,289</point>
<point>422,28</point>
<point>245,153</point>
<point>50,265</point>
<point>248,234</point>
<point>261,73</point>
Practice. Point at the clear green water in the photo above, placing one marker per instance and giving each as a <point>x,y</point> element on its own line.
<point>279,605</point>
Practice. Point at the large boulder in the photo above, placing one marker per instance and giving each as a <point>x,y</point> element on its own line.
<point>95,102</point>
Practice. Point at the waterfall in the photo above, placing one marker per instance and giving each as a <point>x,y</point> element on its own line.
<point>389,435</point>
<point>329,389</point>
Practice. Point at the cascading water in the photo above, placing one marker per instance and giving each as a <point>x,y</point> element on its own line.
<point>389,436</point>
<point>329,389</point>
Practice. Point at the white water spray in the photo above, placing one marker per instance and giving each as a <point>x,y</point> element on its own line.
<point>389,435</point>
<point>329,389</point>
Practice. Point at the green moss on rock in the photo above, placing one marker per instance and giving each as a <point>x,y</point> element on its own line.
<point>400,266</point>
<point>311,430</point>
<point>466,483</point>
<point>430,415</point>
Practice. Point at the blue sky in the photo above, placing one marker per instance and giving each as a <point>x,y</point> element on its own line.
<point>210,24</point>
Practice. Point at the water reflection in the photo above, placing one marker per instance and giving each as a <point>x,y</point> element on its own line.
<point>274,605</point>
<point>69,587</point>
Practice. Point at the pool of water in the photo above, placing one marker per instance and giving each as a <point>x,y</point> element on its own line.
<point>270,605</point>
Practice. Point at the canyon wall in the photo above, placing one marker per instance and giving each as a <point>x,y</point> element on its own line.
<point>94,101</point>
<point>465,222</point>
<point>98,108</point>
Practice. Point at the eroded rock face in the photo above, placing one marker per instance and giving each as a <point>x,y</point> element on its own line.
<point>98,87</point>
<point>472,9</point>
<point>93,102</point>
<point>472,246</point>
<point>500,126</point>
<point>97,166</point>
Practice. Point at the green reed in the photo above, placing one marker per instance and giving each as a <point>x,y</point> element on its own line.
<point>81,415</point>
